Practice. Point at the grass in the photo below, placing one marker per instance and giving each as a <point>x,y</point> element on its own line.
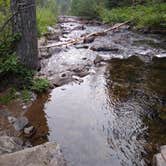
<point>142,16</point>
<point>45,17</point>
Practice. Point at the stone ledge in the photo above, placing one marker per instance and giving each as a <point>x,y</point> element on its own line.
<point>160,158</point>
<point>48,154</point>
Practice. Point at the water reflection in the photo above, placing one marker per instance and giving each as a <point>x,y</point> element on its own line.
<point>108,119</point>
<point>141,87</point>
<point>38,119</point>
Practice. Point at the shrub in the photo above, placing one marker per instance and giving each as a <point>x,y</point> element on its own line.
<point>26,95</point>
<point>86,8</point>
<point>151,15</point>
<point>40,85</point>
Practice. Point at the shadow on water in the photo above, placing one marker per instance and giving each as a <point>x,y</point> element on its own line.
<point>38,119</point>
<point>115,117</point>
<point>136,81</point>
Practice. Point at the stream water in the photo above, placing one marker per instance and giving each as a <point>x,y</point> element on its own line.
<point>115,114</point>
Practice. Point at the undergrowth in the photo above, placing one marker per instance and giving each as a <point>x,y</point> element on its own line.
<point>142,16</point>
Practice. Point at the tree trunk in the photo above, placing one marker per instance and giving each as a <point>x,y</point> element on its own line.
<point>24,23</point>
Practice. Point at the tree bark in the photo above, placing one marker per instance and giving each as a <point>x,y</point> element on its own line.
<point>24,23</point>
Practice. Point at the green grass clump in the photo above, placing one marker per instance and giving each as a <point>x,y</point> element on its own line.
<point>142,16</point>
<point>45,17</point>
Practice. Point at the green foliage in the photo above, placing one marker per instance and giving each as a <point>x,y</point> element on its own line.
<point>86,8</point>
<point>153,15</point>
<point>40,85</point>
<point>26,95</point>
<point>9,64</point>
<point>46,15</point>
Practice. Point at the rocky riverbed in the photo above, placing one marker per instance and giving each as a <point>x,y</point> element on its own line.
<point>107,105</point>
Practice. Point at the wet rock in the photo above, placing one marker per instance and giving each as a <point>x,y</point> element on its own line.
<point>48,154</point>
<point>160,158</point>
<point>51,29</point>
<point>105,48</point>
<point>28,130</point>
<point>54,50</point>
<point>84,58</point>
<point>81,46</point>
<point>20,123</point>
<point>12,119</point>
<point>89,40</point>
<point>81,72</point>
<point>4,113</point>
<point>80,27</point>
<point>44,53</point>
<point>53,34</point>
<point>62,78</point>
<point>42,41</point>
<point>24,107</point>
<point>162,113</point>
<point>10,144</point>
<point>98,59</point>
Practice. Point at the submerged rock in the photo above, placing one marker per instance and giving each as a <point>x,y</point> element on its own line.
<point>48,154</point>
<point>20,123</point>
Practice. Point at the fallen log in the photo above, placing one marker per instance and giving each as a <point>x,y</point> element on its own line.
<point>83,38</point>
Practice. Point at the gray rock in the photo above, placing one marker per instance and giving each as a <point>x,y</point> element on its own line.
<point>82,46</point>
<point>20,123</point>
<point>160,158</point>
<point>98,59</point>
<point>48,154</point>
<point>12,119</point>
<point>28,130</point>
<point>89,40</point>
<point>112,48</point>
<point>10,144</point>
<point>4,113</point>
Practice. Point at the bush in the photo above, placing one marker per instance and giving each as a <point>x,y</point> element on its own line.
<point>149,16</point>
<point>86,8</point>
<point>40,85</point>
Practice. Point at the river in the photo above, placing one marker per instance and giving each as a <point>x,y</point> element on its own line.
<point>108,106</point>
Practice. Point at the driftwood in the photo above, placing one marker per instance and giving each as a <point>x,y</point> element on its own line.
<point>83,38</point>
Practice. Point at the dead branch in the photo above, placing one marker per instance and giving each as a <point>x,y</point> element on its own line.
<point>95,34</point>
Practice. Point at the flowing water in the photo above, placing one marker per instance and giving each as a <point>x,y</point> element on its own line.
<point>115,114</point>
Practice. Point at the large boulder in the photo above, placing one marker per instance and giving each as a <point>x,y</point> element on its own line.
<point>48,154</point>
